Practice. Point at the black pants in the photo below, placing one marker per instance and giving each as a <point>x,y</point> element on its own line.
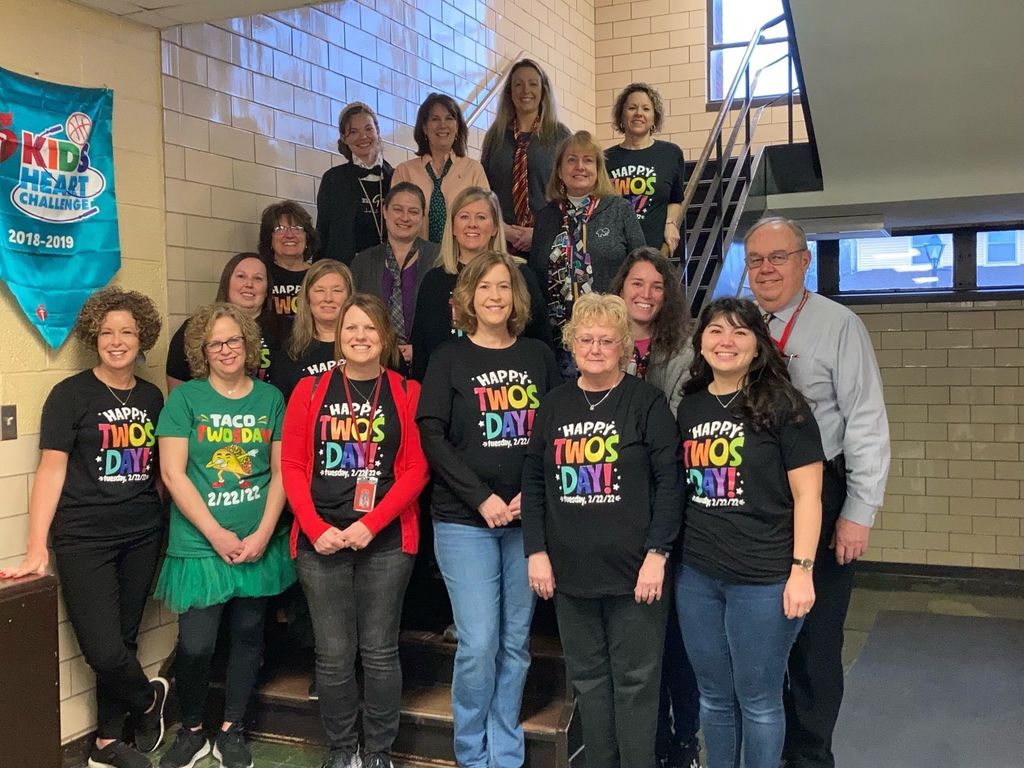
<point>815,677</point>
<point>105,586</point>
<point>613,648</point>
<point>197,640</point>
<point>679,704</point>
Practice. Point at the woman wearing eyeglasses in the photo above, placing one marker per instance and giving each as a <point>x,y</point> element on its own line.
<point>753,460</point>
<point>601,512</point>
<point>245,283</point>
<point>287,244</point>
<point>220,449</point>
<point>349,218</point>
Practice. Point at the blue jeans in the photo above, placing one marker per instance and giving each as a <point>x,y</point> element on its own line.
<point>738,640</point>
<point>484,570</point>
<point>355,603</point>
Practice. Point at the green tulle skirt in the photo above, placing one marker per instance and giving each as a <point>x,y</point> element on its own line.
<point>199,582</point>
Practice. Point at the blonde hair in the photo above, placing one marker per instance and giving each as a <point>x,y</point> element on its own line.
<point>303,326</point>
<point>583,142</point>
<point>198,331</point>
<point>448,256</point>
<point>469,279</point>
<point>604,309</point>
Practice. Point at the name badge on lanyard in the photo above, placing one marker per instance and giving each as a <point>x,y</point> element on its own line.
<point>366,488</point>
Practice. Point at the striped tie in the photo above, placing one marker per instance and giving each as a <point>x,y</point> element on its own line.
<point>520,176</point>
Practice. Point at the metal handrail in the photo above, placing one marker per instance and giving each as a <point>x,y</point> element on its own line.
<point>495,89</point>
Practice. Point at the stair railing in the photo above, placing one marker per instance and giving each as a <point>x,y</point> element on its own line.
<point>494,91</point>
<point>695,265</point>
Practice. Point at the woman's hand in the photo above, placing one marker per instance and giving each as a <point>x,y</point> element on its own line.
<point>35,562</point>
<point>651,579</point>
<point>542,578</point>
<point>515,507</point>
<point>405,350</point>
<point>671,236</point>
<point>798,596</point>
<point>226,544</point>
<point>495,511</point>
<point>253,547</point>
<point>330,541</point>
<point>357,535</point>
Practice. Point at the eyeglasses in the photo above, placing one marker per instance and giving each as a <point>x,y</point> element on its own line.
<point>288,229</point>
<point>235,342</point>
<point>777,258</point>
<point>602,344</point>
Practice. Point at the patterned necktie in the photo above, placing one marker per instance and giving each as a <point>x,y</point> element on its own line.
<point>768,317</point>
<point>396,310</point>
<point>520,178</point>
<point>437,210</point>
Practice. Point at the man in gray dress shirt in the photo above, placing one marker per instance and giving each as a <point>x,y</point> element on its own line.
<point>832,362</point>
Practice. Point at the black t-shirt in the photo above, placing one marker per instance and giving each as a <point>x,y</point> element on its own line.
<point>601,486</point>
<point>110,487</point>
<point>286,373</point>
<point>177,362</point>
<point>649,179</point>
<point>342,458</point>
<point>284,297</point>
<point>476,414</point>
<point>739,509</point>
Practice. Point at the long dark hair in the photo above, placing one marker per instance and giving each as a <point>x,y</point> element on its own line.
<point>267,319</point>
<point>671,326</point>
<point>769,397</point>
<point>419,132</point>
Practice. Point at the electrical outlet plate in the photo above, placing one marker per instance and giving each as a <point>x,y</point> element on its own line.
<point>8,422</point>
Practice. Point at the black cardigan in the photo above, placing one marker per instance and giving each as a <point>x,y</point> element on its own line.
<point>337,204</point>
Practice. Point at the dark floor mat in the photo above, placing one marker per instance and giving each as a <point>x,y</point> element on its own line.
<point>931,690</point>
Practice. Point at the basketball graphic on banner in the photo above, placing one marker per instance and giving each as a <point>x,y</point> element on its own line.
<point>78,127</point>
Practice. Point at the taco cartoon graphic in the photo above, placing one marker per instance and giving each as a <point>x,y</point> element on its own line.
<point>233,459</point>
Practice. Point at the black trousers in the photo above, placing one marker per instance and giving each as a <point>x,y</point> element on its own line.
<point>815,677</point>
<point>105,586</point>
<point>613,648</point>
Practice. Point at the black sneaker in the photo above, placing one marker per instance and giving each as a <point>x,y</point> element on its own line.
<point>340,758</point>
<point>117,754</point>
<point>149,728</point>
<point>377,760</point>
<point>188,749</point>
<point>684,755</point>
<point>230,748</point>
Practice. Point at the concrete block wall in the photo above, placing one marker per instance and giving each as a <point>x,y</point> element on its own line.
<point>251,104</point>
<point>95,49</point>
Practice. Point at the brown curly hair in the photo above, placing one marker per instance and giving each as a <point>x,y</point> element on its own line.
<point>114,299</point>
<point>198,330</point>
<point>620,106</point>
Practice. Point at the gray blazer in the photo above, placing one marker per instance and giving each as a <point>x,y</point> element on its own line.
<point>368,267</point>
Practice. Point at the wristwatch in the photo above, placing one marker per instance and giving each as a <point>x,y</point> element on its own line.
<point>805,563</point>
<point>659,551</point>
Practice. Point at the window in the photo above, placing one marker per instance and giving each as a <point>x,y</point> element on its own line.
<point>917,262</point>
<point>1000,258</point>
<point>733,270</point>
<point>731,25</point>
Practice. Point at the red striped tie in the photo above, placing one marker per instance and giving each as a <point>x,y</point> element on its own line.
<point>520,180</point>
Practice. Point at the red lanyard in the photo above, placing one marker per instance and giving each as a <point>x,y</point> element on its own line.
<point>781,343</point>
<point>373,412</point>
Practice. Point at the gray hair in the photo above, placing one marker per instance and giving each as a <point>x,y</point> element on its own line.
<point>792,226</point>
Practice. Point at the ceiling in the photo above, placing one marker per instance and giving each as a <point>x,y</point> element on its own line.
<point>170,13</point>
<point>916,107</point>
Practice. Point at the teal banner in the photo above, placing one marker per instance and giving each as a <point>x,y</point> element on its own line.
<point>59,240</point>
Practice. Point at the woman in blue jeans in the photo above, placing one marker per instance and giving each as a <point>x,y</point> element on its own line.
<point>353,470</point>
<point>753,461</point>
<point>476,414</point>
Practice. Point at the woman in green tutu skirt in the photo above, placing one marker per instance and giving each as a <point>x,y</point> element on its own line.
<point>220,443</point>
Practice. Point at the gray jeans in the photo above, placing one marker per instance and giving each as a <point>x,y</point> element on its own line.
<point>355,602</point>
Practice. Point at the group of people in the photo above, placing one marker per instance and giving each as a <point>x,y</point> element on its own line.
<point>685,496</point>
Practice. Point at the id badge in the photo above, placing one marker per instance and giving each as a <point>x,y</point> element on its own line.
<point>631,368</point>
<point>366,495</point>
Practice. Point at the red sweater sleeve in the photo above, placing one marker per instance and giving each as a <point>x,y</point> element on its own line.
<point>297,458</point>
<point>412,474</point>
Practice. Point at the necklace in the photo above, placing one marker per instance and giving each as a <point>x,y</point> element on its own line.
<point>375,201</point>
<point>605,397</point>
<point>113,395</point>
<point>726,404</point>
<point>366,398</point>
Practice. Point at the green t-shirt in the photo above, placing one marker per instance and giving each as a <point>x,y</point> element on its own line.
<point>229,445</point>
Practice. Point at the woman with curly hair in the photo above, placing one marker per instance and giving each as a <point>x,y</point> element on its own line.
<point>220,443</point>
<point>648,172</point>
<point>349,218</point>
<point>245,283</point>
<point>518,154</point>
<point>753,461</point>
<point>440,168</point>
<point>288,243</point>
<point>95,490</point>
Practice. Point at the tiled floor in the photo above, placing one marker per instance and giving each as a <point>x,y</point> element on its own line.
<point>942,597</point>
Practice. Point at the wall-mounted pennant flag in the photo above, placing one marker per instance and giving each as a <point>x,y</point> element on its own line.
<point>58,217</point>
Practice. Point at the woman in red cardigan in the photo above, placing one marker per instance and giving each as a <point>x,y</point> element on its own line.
<point>353,469</point>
